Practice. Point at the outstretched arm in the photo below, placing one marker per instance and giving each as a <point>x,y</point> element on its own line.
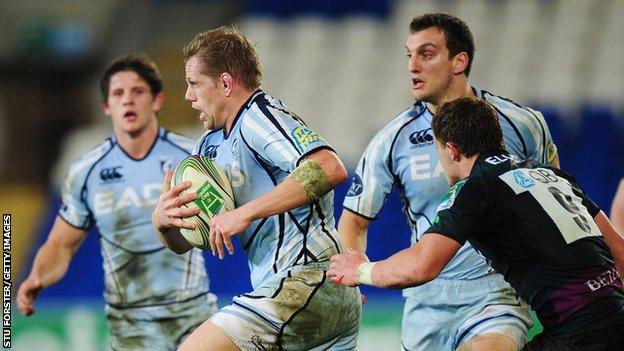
<point>305,184</point>
<point>413,266</point>
<point>51,263</point>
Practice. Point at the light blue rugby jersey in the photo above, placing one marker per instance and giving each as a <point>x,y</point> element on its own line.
<point>265,144</point>
<point>109,189</point>
<point>403,154</point>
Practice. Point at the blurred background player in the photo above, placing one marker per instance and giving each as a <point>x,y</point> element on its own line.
<point>282,174</point>
<point>617,208</point>
<point>535,225</point>
<point>154,297</point>
<point>469,305</point>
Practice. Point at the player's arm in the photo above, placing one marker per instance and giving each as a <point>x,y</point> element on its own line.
<point>353,230</point>
<point>168,215</point>
<point>317,175</point>
<point>617,208</point>
<point>50,264</point>
<point>413,266</point>
<point>613,238</point>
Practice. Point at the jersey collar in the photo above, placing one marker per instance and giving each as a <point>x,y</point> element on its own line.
<point>161,133</point>
<point>245,107</point>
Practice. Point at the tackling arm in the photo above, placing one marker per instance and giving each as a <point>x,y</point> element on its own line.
<point>50,264</point>
<point>413,266</point>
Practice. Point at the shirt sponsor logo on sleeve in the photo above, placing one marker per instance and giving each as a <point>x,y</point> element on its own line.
<point>304,137</point>
<point>356,186</point>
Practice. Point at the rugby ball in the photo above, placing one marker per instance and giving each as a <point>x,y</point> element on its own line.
<point>214,195</point>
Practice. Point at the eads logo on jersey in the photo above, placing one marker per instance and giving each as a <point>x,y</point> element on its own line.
<point>421,138</point>
<point>110,174</point>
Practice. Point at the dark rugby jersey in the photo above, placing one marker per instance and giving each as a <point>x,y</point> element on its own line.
<point>534,224</point>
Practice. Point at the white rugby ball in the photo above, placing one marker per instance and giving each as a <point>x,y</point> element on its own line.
<point>214,195</point>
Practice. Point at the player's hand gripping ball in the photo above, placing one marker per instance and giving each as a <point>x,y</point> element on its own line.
<point>214,195</point>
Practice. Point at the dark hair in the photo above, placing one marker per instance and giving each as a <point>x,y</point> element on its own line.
<point>225,49</point>
<point>469,123</point>
<point>141,65</point>
<point>456,32</point>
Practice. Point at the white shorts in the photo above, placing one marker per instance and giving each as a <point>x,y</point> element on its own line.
<point>442,314</point>
<point>159,327</point>
<point>300,309</point>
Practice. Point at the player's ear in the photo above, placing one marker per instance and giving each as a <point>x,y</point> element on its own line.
<point>228,83</point>
<point>104,106</point>
<point>460,62</point>
<point>159,100</point>
<point>453,151</point>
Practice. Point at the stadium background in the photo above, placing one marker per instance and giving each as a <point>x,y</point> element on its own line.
<point>339,64</point>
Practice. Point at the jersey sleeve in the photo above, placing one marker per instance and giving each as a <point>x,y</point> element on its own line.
<point>74,209</point>
<point>373,181</point>
<point>280,138</point>
<point>461,211</point>
<point>543,147</point>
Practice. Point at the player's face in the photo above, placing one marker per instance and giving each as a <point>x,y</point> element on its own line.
<point>451,169</point>
<point>205,94</point>
<point>130,103</point>
<point>429,65</point>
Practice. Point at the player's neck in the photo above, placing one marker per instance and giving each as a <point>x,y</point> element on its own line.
<point>466,165</point>
<point>458,88</point>
<point>137,145</point>
<point>239,98</point>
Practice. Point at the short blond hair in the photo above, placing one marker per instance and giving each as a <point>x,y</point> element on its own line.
<point>225,49</point>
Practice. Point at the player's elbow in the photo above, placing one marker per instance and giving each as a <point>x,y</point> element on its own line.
<point>336,172</point>
<point>332,166</point>
<point>341,174</point>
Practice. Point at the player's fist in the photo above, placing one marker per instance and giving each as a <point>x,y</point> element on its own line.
<point>343,267</point>
<point>27,294</point>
